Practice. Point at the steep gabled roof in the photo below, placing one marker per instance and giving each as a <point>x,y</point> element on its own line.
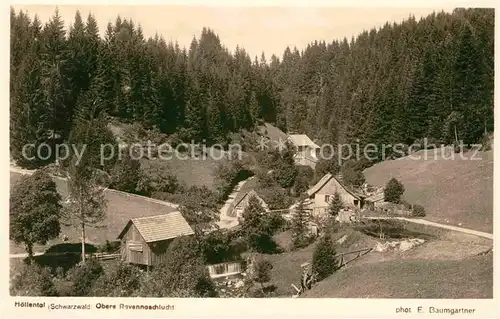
<point>319,185</point>
<point>325,179</point>
<point>160,227</point>
<point>251,193</point>
<point>302,140</point>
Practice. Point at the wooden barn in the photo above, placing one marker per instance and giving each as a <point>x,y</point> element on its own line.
<point>144,240</point>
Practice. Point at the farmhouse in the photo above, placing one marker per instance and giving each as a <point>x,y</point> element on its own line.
<point>320,195</point>
<point>145,240</point>
<point>241,202</point>
<point>306,151</point>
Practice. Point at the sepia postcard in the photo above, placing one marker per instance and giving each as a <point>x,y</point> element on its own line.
<point>294,159</point>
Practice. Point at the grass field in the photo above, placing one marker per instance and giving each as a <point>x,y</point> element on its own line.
<point>120,208</point>
<point>286,266</point>
<point>458,191</point>
<point>190,172</point>
<point>442,249</point>
<point>419,278</point>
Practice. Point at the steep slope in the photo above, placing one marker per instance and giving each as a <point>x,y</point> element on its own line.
<point>468,278</point>
<point>455,191</point>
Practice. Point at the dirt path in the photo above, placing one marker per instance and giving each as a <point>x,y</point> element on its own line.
<point>429,223</point>
<point>24,255</point>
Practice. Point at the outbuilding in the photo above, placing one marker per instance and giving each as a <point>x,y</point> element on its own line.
<point>144,240</point>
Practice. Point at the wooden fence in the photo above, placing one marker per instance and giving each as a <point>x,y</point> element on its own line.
<point>358,253</point>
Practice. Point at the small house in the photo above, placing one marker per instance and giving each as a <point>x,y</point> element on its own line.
<point>144,240</point>
<point>320,195</point>
<point>306,151</point>
<point>241,202</point>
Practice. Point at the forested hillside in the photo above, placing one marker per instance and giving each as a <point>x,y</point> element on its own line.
<point>429,78</point>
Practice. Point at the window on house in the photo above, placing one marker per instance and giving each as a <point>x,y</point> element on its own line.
<point>327,198</point>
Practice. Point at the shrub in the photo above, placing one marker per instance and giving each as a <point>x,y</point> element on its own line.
<point>393,191</point>
<point>305,175</point>
<point>33,280</point>
<point>122,281</point>
<point>325,166</point>
<point>183,274</point>
<point>229,173</point>
<point>406,205</point>
<point>352,177</point>
<point>83,277</point>
<point>324,264</point>
<point>218,247</point>
<point>198,206</point>
<point>126,174</point>
<point>275,197</point>
<point>274,222</point>
<point>418,211</point>
<point>156,179</point>
<point>109,246</point>
<point>265,179</point>
<point>261,271</point>
<point>285,175</point>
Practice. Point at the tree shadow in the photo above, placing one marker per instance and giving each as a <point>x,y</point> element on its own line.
<point>63,256</point>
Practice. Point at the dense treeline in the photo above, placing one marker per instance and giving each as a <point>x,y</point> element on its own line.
<point>402,82</point>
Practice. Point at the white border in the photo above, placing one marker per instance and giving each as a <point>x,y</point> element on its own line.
<point>241,308</point>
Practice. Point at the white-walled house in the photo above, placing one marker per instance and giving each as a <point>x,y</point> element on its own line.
<point>306,151</point>
<point>241,202</point>
<point>320,195</point>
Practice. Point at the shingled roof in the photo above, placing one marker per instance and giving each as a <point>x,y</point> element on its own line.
<point>160,227</point>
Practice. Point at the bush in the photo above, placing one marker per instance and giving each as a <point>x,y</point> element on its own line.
<point>324,264</point>
<point>33,280</point>
<point>219,246</point>
<point>274,222</point>
<point>256,228</point>
<point>393,191</point>
<point>109,247</point>
<point>261,271</point>
<point>305,175</point>
<point>83,277</point>
<point>229,173</point>
<point>285,175</point>
<point>352,177</point>
<point>418,211</point>
<point>126,174</point>
<point>183,273</point>
<point>122,281</point>
<point>406,205</point>
<point>275,197</point>
<point>157,179</point>
<point>265,179</point>
<point>325,166</point>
